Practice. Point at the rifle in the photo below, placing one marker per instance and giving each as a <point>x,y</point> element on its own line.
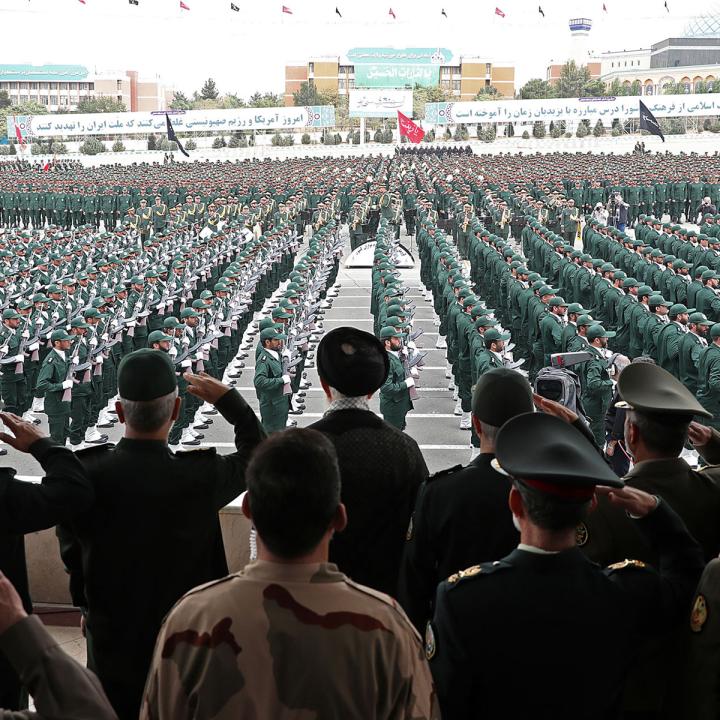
<point>67,394</point>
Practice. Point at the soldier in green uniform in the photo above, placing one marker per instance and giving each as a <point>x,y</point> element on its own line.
<point>708,377</point>
<point>395,400</point>
<point>551,328</point>
<point>692,345</point>
<point>12,377</point>
<point>670,336</point>
<point>55,382</point>
<point>597,385</point>
<point>159,215</point>
<point>270,382</point>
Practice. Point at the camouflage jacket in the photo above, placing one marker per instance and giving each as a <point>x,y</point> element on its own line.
<point>288,641</point>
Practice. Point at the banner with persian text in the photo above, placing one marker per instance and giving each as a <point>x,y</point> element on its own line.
<point>593,109</point>
<point>133,123</point>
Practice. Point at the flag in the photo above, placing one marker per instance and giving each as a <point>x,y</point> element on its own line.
<point>234,7</point>
<point>338,13</point>
<point>173,137</point>
<point>414,133</point>
<point>392,14</point>
<point>46,166</point>
<point>649,123</point>
<point>666,6</point>
<point>443,13</point>
<point>18,134</point>
<point>286,10</point>
<point>134,2</point>
<point>183,6</point>
<point>541,11</point>
<point>499,12</point>
<point>604,7</point>
<point>83,2</point>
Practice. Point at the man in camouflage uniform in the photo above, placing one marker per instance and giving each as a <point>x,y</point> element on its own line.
<point>263,621</point>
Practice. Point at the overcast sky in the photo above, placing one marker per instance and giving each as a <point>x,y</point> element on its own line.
<point>247,50</point>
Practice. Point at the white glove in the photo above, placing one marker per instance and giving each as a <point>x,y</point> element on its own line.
<point>35,346</point>
<point>409,382</point>
<point>67,384</point>
<point>131,323</point>
<point>286,379</point>
<point>75,360</point>
<point>286,353</point>
<point>186,363</point>
<point>19,358</point>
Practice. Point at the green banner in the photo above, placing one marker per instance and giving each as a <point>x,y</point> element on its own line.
<point>386,75</point>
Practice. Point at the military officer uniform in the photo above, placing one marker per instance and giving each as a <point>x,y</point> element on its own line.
<point>395,400</point>
<point>55,382</point>
<point>270,383</point>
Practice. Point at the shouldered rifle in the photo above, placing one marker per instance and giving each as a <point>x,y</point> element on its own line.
<point>67,394</point>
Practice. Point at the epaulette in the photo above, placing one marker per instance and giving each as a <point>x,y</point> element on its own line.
<point>443,473</point>
<point>195,451</point>
<point>94,449</point>
<point>476,570</point>
<point>626,564</point>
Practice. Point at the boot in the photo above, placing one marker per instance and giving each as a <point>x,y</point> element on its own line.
<point>465,423</point>
<point>188,439</point>
<point>448,371</point>
<point>94,437</point>
<point>458,408</point>
<point>38,404</point>
<point>441,344</point>
<point>29,417</point>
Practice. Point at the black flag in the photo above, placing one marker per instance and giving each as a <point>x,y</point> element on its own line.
<point>649,123</point>
<point>234,7</point>
<point>173,137</point>
<point>134,2</point>
<point>666,6</point>
<point>443,12</point>
<point>541,11</point>
<point>338,13</point>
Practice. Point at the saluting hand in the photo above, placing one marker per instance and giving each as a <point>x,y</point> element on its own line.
<point>554,408</point>
<point>205,387</point>
<point>24,433</point>
<point>699,434</point>
<point>636,502</point>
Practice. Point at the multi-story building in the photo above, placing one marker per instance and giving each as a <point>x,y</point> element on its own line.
<point>462,76</point>
<point>61,88</point>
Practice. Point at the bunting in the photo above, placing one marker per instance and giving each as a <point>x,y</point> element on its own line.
<point>287,10</point>
<point>499,12</point>
<point>392,14</point>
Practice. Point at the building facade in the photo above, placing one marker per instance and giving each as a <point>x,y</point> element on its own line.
<point>461,76</point>
<point>685,52</point>
<point>60,88</point>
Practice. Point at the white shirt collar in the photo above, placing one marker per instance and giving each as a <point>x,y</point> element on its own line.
<point>61,353</point>
<point>536,550</point>
<point>272,353</point>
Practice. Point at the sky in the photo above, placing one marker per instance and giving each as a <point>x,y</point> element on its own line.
<point>246,51</point>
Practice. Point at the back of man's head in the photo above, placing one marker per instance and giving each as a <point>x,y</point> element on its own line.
<point>293,483</point>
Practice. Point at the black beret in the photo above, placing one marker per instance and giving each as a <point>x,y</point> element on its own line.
<point>499,395</point>
<point>352,361</point>
<point>146,375</point>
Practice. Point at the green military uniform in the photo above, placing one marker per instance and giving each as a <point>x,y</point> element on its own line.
<point>269,385</point>
<point>597,385</point>
<point>54,373</point>
<point>395,400</point>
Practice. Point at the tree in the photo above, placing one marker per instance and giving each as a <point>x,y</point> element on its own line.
<point>26,108</point>
<point>488,93</point>
<point>191,145</point>
<point>4,99</point>
<point>538,129</point>
<point>100,104</point>
<point>209,90</point>
<point>180,101</point>
<point>573,78</point>
<point>536,89</point>
<point>118,146</point>
<point>635,89</point>
<point>264,100</point>
<point>152,143</point>
<point>599,129</point>
<point>232,101</point>
<point>594,88</point>
<point>615,89</point>
<point>307,94</point>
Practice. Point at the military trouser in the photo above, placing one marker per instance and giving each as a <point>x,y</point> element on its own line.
<point>76,218</point>
<point>395,418</point>
<point>79,412</point>
<point>357,238</point>
<point>13,389</point>
<point>536,359</point>
<point>179,424</point>
<point>596,416</point>
<point>569,236</point>
<point>273,416</point>
<point>36,218</point>
<point>109,380</point>
<point>60,426</point>
<point>25,217</point>
<point>464,392</point>
<point>410,221</point>
<point>89,217</point>
<point>96,395</point>
<point>32,370</point>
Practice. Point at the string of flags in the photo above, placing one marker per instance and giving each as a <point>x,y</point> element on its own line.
<point>288,11</point>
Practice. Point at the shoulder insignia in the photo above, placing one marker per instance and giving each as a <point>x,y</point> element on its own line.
<point>581,534</point>
<point>194,451</point>
<point>429,641</point>
<point>468,572</point>
<point>699,614</point>
<point>443,473</point>
<point>627,564</point>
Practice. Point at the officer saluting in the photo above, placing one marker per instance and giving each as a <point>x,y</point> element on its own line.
<point>551,597</point>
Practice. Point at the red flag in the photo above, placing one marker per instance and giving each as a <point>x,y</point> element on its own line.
<point>183,6</point>
<point>499,12</point>
<point>46,166</point>
<point>392,14</point>
<point>287,10</point>
<point>18,134</point>
<point>412,132</point>
<point>83,2</point>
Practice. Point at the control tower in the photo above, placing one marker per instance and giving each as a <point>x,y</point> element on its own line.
<point>580,46</point>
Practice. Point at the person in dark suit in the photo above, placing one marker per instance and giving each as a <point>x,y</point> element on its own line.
<point>381,468</point>
<point>462,516</point>
<point>529,635</point>
<point>153,532</point>
<point>28,507</point>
